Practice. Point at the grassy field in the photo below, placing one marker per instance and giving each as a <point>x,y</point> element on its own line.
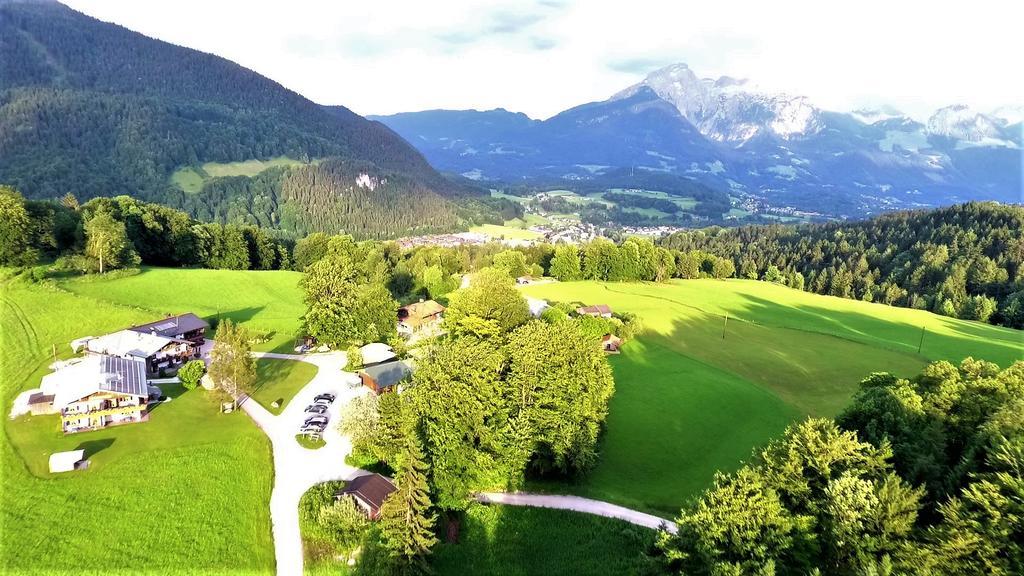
<point>279,380</point>
<point>508,232</point>
<point>514,541</point>
<point>269,302</point>
<point>185,492</point>
<point>689,401</point>
<point>191,179</point>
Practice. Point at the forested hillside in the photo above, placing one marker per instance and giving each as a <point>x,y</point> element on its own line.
<point>965,261</point>
<point>95,109</point>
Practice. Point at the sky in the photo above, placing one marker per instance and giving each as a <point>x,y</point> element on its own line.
<point>543,56</point>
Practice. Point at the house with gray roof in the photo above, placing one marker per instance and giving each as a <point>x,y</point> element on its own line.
<point>383,377</point>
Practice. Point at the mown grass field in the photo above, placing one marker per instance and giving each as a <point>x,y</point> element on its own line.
<point>186,492</point>
<point>689,402</point>
<point>516,541</point>
<point>191,179</point>
<point>269,302</point>
<point>279,380</point>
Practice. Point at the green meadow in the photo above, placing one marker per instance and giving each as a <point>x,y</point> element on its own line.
<point>696,392</point>
<point>279,380</point>
<point>190,487</point>
<point>191,178</point>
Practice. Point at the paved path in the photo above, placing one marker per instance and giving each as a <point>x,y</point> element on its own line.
<point>297,469</point>
<point>577,504</point>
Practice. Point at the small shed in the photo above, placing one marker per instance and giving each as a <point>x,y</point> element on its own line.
<point>369,492</point>
<point>68,461</point>
<point>382,377</point>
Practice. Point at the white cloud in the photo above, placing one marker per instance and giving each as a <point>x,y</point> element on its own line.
<point>542,57</point>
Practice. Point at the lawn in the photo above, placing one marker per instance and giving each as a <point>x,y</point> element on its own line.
<point>185,492</point>
<point>507,232</point>
<point>514,541</point>
<point>689,402</point>
<point>269,302</point>
<point>279,380</point>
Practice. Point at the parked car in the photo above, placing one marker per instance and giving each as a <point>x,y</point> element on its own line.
<point>316,408</point>
<point>311,429</point>
<point>326,398</point>
<point>317,420</point>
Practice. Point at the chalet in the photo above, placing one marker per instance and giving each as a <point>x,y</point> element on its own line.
<point>415,317</point>
<point>611,343</point>
<point>382,377</point>
<point>98,391</point>
<point>598,311</point>
<point>181,327</point>
<point>377,353</point>
<point>369,492</point>
<point>157,351</point>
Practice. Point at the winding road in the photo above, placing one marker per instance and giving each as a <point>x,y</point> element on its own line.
<point>577,504</point>
<point>297,469</point>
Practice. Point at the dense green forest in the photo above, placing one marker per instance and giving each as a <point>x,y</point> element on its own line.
<point>94,109</point>
<point>921,476</point>
<point>965,261</point>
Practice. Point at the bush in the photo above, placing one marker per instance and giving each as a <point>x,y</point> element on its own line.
<point>190,373</point>
<point>355,359</point>
<point>338,523</point>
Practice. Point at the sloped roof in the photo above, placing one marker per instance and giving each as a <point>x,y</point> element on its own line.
<point>173,325</point>
<point>388,374</point>
<point>94,374</point>
<point>130,343</point>
<point>597,309</point>
<point>423,309</point>
<point>370,488</point>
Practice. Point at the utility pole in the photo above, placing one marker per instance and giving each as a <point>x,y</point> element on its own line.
<point>724,324</point>
<point>921,342</point>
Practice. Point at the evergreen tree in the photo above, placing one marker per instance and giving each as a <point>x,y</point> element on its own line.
<point>406,522</point>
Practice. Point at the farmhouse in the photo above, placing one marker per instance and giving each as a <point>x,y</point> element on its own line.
<point>186,326</point>
<point>369,492</point>
<point>98,391</point>
<point>382,377</point>
<point>598,311</point>
<point>610,343</point>
<point>157,351</point>
<point>415,317</point>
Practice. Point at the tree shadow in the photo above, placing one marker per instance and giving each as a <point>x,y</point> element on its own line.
<point>238,316</point>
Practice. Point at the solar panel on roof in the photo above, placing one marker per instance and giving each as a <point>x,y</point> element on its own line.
<point>166,326</point>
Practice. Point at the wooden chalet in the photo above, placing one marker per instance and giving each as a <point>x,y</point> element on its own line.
<point>98,391</point>
<point>416,316</point>
<point>369,492</point>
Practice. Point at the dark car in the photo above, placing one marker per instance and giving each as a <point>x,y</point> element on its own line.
<point>328,398</point>
<point>315,421</point>
<point>316,408</point>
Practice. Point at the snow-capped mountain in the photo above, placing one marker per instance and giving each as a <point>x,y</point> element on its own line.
<point>731,135</point>
<point>727,109</point>
<point>960,122</point>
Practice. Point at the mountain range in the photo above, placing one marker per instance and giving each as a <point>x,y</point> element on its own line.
<point>729,134</point>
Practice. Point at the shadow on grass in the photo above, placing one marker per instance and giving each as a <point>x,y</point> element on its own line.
<point>92,447</point>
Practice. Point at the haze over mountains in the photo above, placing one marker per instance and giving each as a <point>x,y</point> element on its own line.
<point>729,134</point>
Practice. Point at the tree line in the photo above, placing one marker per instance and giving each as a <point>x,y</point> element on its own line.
<point>916,477</point>
<point>963,261</point>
